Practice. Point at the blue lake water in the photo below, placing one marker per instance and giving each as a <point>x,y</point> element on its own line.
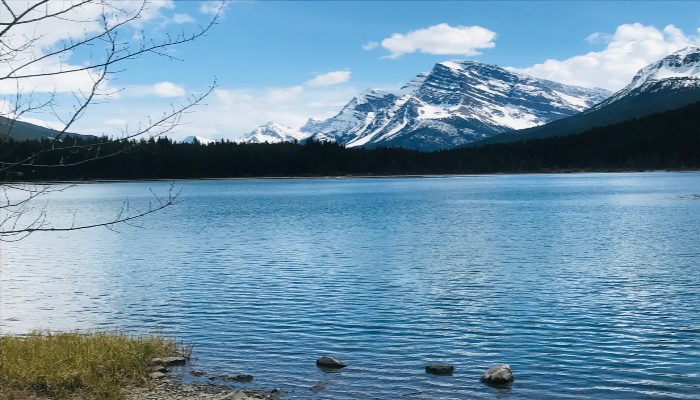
<point>588,285</point>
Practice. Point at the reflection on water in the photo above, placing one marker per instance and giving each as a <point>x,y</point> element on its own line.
<point>587,284</point>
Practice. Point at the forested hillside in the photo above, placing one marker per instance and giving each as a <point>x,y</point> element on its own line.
<point>668,140</point>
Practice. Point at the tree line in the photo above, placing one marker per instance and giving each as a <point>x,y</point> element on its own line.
<point>668,140</point>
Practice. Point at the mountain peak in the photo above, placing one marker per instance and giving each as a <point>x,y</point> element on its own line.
<point>686,51</point>
<point>272,132</point>
<point>197,139</point>
<point>457,102</point>
<point>461,64</point>
<point>684,63</point>
<point>271,124</point>
<point>677,70</point>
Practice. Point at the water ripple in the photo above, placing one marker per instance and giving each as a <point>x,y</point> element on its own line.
<point>586,284</point>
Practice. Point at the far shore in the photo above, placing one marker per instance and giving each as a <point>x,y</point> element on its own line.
<point>341,177</point>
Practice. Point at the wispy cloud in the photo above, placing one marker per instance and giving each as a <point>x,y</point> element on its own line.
<point>371,45</point>
<point>282,95</point>
<point>329,79</point>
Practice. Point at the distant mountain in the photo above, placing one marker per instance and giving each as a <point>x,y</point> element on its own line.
<point>458,102</point>
<point>20,130</point>
<point>670,83</point>
<point>272,132</point>
<point>198,139</point>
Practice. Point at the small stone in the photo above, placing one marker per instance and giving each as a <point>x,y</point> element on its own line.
<point>157,375</point>
<point>197,372</point>
<point>159,368</point>
<point>498,375</point>
<point>234,378</point>
<point>330,362</point>
<point>319,386</point>
<point>440,369</point>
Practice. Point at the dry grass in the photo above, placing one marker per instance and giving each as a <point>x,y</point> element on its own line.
<point>77,365</point>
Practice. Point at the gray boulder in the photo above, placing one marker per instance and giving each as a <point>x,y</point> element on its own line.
<point>498,375</point>
<point>330,363</point>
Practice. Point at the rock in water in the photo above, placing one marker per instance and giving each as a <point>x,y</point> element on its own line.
<point>197,372</point>
<point>330,362</point>
<point>319,386</point>
<point>241,378</point>
<point>498,375</point>
<point>244,378</point>
<point>440,369</point>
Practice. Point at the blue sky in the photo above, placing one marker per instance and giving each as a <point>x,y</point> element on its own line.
<point>281,43</point>
<point>287,61</point>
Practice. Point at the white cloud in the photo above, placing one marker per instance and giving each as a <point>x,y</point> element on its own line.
<point>371,45</point>
<point>80,22</point>
<point>228,113</point>
<point>232,96</point>
<point>168,89</point>
<point>152,10</point>
<point>282,95</point>
<point>441,39</point>
<point>160,89</point>
<point>182,19</point>
<point>329,79</point>
<point>212,7</point>
<point>630,48</point>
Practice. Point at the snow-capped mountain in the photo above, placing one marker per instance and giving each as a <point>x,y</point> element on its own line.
<point>198,139</point>
<point>272,132</point>
<point>458,102</point>
<point>678,70</point>
<point>670,83</point>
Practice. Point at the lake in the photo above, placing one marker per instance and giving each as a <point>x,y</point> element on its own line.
<point>588,285</point>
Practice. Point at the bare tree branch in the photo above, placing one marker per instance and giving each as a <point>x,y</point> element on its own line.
<point>23,59</point>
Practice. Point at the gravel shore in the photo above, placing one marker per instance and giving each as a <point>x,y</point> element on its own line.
<point>173,389</point>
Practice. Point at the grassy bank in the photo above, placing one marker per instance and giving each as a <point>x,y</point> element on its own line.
<point>77,365</point>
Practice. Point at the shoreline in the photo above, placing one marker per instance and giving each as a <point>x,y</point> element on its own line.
<point>173,388</point>
<point>347,177</point>
<point>109,365</point>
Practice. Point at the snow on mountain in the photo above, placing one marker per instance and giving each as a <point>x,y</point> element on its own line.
<point>272,132</point>
<point>679,70</point>
<point>198,139</point>
<point>670,83</point>
<point>458,102</point>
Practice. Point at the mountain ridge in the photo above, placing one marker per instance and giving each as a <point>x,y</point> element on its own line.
<point>456,103</point>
